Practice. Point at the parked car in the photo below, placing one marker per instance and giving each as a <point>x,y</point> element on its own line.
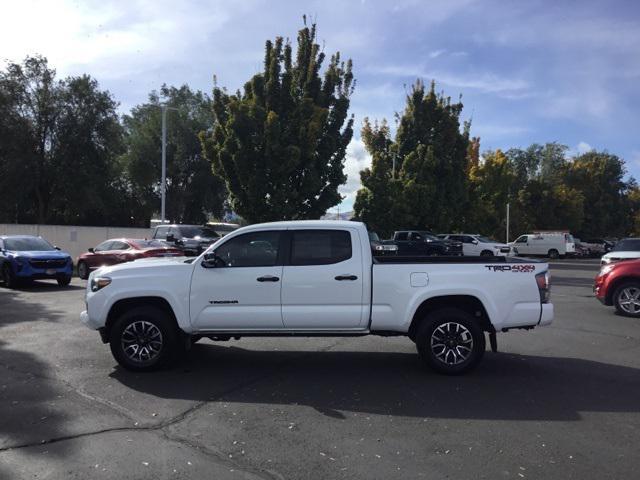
<point>618,284</point>
<point>119,250</point>
<point>424,243</point>
<point>25,257</point>
<point>382,247</point>
<point>581,249</point>
<point>625,249</point>
<point>191,239</point>
<point>596,246</point>
<point>315,278</point>
<point>548,244</point>
<point>478,245</point>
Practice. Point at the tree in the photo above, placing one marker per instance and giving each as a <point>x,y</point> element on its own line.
<point>280,144</point>
<point>599,177</point>
<point>429,188</point>
<point>193,192</point>
<point>59,142</point>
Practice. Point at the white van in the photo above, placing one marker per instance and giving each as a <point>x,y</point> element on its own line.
<point>548,244</point>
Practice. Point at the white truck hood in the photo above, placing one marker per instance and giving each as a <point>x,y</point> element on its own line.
<point>146,264</point>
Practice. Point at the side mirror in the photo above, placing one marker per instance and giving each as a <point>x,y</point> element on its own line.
<point>91,250</point>
<point>56,247</point>
<point>475,242</point>
<point>171,237</point>
<point>211,260</point>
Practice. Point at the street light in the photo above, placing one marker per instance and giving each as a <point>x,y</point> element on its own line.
<point>163,185</point>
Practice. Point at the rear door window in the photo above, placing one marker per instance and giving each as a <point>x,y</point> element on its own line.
<point>320,247</point>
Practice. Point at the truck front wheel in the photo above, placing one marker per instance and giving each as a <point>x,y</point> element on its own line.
<point>144,338</point>
<point>450,341</point>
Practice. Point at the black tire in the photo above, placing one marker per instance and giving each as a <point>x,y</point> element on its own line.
<point>64,280</point>
<point>8,277</point>
<point>627,289</point>
<point>553,253</point>
<point>455,326</point>
<point>83,270</point>
<point>146,321</point>
<point>486,253</point>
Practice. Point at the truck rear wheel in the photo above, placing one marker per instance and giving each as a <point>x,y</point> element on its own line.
<point>450,341</point>
<point>144,339</point>
<point>553,253</point>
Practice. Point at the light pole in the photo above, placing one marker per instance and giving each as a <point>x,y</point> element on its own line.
<point>163,184</point>
<point>507,222</point>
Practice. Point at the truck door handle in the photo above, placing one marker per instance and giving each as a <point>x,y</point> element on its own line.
<point>268,278</point>
<point>346,277</point>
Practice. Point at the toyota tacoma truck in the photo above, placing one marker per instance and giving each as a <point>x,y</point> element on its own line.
<point>313,278</point>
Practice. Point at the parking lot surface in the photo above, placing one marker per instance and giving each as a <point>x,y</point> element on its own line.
<point>557,402</point>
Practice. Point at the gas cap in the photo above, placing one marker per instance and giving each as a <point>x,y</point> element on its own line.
<point>419,279</point>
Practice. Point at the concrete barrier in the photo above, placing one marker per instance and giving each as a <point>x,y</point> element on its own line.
<point>74,239</point>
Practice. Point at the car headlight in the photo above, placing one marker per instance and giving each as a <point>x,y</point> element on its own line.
<point>606,269</point>
<point>98,283</point>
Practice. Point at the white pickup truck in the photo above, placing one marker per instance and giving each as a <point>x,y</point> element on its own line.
<point>313,278</point>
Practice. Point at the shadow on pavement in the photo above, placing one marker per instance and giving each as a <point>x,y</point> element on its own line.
<point>27,396</point>
<point>504,387</point>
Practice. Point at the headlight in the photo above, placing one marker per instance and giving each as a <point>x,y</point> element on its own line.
<point>606,269</point>
<point>98,283</point>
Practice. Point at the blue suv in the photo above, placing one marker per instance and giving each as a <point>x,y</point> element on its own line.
<point>24,257</point>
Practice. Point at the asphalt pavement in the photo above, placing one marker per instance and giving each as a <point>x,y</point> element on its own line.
<point>556,402</point>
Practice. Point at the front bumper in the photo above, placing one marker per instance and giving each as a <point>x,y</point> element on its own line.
<point>88,322</point>
<point>26,270</point>
<point>546,317</point>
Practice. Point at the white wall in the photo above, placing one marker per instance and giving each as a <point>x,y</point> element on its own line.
<point>72,239</point>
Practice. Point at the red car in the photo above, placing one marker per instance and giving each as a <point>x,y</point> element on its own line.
<point>119,250</point>
<point>618,284</point>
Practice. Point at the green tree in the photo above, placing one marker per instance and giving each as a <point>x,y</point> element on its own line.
<point>429,187</point>
<point>59,140</point>
<point>280,144</point>
<point>599,177</point>
<point>193,192</point>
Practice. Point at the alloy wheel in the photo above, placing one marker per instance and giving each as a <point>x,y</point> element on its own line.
<point>452,343</point>
<point>141,341</point>
<point>629,300</point>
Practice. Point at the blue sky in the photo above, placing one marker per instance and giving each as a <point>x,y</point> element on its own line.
<point>528,71</point>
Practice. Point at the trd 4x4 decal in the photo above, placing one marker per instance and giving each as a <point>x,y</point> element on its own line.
<point>511,268</point>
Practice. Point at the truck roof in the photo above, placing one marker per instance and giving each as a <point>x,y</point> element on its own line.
<point>304,223</point>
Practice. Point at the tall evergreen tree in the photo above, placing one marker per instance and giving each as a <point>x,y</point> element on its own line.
<point>429,186</point>
<point>280,144</point>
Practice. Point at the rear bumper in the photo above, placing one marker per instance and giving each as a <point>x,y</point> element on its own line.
<point>546,316</point>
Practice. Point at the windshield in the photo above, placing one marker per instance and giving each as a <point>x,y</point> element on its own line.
<point>27,244</point>
<point>628,245</point>
<point>373,237</point>
<point>148,243</point>
<point>429,236</point>
<point>486,239</point>
<point>203,232</point>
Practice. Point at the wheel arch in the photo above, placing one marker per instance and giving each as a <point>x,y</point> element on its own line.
<point>469,303</point>
<point>615,284</point>
<point>122,305</point>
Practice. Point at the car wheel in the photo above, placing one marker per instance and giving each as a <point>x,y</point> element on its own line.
<point>83,270</point>
<point>626,299</point>
<point>64,280</point>
<point>8,277</point>
<point>144,339</point>
<point>450,341</point>
<point>486,253</point>
<point>553,253</point>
